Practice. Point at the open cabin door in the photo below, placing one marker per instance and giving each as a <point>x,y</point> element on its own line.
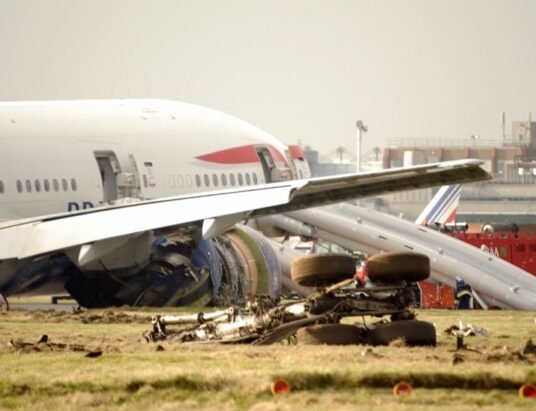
<point>109,168</point>
<point>267,163</point>
<point>117,183</point>
<point>271,171</point>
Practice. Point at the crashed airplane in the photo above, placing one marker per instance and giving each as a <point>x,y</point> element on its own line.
<point>135,201</point>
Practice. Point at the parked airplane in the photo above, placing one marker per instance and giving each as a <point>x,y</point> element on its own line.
<point>442,208</point>
<point>130,201</point>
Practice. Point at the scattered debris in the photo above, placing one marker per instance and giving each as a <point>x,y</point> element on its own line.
<point>263,321</point>
<point>368,352</point>
<point>457,359</point>
<point>43,339</point>
<point>529,348</point>
<point>466,330</point>
<point>459,342</point>
<point>93,354</point>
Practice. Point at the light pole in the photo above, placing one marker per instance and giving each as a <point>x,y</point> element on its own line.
<point>360,128</point>
<point>474,137</point>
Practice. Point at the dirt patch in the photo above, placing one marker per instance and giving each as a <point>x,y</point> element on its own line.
<point>113,317</point>
<point>89,317</point>
<point>46,346</point>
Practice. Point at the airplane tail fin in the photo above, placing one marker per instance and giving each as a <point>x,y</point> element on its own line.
<point>443,207</point>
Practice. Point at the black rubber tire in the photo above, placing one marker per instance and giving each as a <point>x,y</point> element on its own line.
<point>330,334</point>
<point>322,269</point>
<point>413,332</point>
<point>393,267</point>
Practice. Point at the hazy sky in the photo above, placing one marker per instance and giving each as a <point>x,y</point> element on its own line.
<point>303,70</point>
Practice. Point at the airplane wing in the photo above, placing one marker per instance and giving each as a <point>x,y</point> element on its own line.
<point>216,211</point>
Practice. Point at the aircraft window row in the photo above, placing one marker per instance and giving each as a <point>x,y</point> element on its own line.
<point>45,185</point>
<point>208,180</point>
<point>222,179</point>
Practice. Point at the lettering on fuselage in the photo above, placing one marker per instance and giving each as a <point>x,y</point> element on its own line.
<point>74,206</point>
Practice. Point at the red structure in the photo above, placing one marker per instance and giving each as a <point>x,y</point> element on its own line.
<point>516,248</point>
<point>436,295</point>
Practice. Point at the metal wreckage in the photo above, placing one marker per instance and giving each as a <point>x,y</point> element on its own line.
<point>336,293</point>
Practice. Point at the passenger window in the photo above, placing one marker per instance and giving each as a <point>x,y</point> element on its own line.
<point>240,179</point>
<point>46,184</point>
<point>197,180</point>
<point>215,180</point>
<point>1,187</point>
<point>64,184</point>
<point>145,180</point>
<point>172,181</point>
<point>180,181</point>
<point>188,180</point>
<point>233,182</point>
<point>74,186</point>
<point>248,179</point>
<point>37,185</point>
<point>224,180</point>
<point>207,180</point>
<point>255,180</point>
<point>28,186</point>
<point>19,186</point>
<point>56,185</point>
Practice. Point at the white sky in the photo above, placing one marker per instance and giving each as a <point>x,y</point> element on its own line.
<point>304,70</point>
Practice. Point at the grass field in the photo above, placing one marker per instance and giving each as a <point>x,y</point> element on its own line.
<point>132,375</point>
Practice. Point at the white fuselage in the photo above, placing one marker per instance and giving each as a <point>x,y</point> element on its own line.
<point>62,156</point>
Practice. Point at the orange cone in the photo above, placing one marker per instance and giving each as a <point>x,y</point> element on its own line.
<point>402,388</point>
<point>280,387</point>
<point>527,391</point>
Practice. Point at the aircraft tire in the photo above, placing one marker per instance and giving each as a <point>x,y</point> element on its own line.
<point>317,270</point>
<point>413,332</point>
<point>329,334</point>
<point>392,267</point>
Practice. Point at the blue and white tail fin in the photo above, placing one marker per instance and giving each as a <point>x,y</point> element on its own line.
<point>443,207</point>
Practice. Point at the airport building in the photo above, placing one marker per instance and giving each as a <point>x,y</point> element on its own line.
<point>509,197</point>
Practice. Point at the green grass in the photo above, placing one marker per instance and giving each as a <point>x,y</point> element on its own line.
<point>132,375</point>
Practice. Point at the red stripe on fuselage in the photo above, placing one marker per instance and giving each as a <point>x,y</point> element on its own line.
<point>240,155</point>
<point>296,152</point>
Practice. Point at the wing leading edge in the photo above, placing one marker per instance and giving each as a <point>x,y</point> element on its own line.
<point>30,237</point>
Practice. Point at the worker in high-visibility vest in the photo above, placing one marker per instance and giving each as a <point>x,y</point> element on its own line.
<point>463,294</point>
